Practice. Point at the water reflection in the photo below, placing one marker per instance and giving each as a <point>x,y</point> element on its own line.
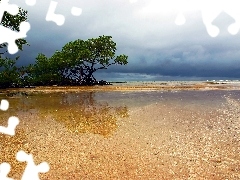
<point>79,112</point>
<point>83,113</point>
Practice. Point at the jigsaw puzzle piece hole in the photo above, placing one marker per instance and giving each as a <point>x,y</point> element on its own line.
<point>4,105</point>
<point>22,156</point>
<point>24,27</point>
<point>234,28</point>
<point>180,19</point>
<point>43,167</point>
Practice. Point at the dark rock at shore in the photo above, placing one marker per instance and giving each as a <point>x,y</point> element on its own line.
<point>16,94</point>
<point>101,83</point>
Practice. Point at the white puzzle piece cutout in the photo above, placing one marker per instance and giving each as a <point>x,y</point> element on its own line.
<point>4,105</point>
<point>51,16</point>
<point>180,19</point>
<point>30,2</point>
<point>10,129</point>
<point>211,9</point>
<point>75,11</point>
<point>7,35</point>
<point>31,170</point>
<point>10,8</point>
<point>59,19</point>
<point>4,170</point>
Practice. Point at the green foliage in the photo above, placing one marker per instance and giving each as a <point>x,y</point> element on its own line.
<point>43,72</point>
<point>73,65</point>
<point>13,23</point>
<point>76,62</point>
<point>10,75</point>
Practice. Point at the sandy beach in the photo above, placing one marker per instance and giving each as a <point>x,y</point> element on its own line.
<point>165,131</point>
<point>136,86</point>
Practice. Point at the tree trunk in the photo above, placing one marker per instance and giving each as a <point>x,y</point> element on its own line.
<point>89,79</point>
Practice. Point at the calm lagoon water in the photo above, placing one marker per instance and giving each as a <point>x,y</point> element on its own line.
<point>128,134</point>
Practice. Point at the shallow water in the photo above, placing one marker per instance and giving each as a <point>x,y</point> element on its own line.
<point>127,135</point>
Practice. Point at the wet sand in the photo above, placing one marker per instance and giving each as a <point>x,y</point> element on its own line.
<point>127,134</point>
<point>136,86</point>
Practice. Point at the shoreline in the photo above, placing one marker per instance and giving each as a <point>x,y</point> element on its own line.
<point>168,86</point>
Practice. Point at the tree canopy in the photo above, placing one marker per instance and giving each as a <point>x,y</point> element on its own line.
<point>10,75</point>
<point>76,62</point>
<point>13,23</point>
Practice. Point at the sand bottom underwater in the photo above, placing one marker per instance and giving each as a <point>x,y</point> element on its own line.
<point>126,135</point>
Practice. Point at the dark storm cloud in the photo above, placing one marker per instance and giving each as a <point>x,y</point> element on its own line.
<point>155,45</point>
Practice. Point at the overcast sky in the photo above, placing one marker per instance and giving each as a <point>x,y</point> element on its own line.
<point>146,31</point>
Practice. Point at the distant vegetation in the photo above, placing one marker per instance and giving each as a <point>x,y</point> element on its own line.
<point>73,65</point>
<point>9,73</point>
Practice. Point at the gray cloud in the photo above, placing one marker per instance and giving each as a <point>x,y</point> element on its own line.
<point>155,45</point>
